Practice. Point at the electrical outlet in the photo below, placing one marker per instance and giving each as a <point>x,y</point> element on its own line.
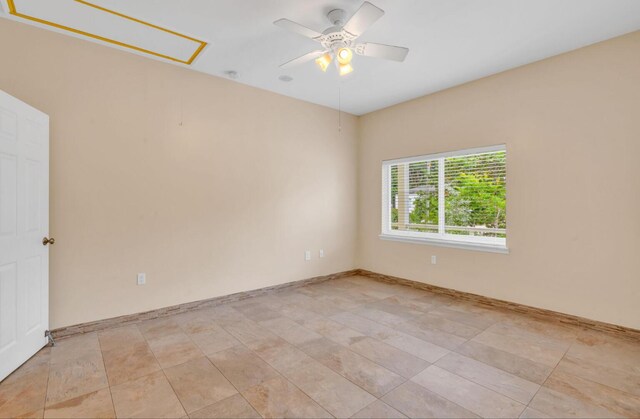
<point>142,278</point>
<point>321,253</point>
<point>434,260</point>
<point>307,255</point>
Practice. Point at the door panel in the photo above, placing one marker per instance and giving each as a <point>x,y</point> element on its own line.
<point>8,124</point>
<point>8,305</point>
<point>32,279</point>
<point>32,195</point>
<point>24,221</point>
<point>9,188</point>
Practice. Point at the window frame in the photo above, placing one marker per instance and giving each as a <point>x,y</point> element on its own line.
<point>487,244</point>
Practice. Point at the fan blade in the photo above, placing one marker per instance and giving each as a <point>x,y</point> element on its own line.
<point>297,28</point>
<point>366,16</point>
<point>300,60</point>
<point>387,52</point>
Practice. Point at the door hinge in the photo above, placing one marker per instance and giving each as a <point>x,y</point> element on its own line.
<point>47,334</point>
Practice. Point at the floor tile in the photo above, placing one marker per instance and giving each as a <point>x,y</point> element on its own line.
<point>242,367</point>
<point>437,337</point>
<point>524,348</point>
<point>480,321</point>
<point>416,401</point>
<point>129,363</point>
<point>198,384</point>
<point>514,364</point>
<point>337,332</point>
<point>560,405</point>
<point>402,307</point>
<point>278,398</point>
<point>404,291</point>
<point>214,341</point>
<point>541,327</point>
<point>389,357</point>
<point>91,405</point>
<point>70,378</point>
<point>415,306</point>
<point>468,394</point>
<point>371,288</point>
<point>157,328</point>
<point>121,338</point>
<point>432,322</point>
<point>417,347</point>
<point>359,370</point>
<point>245,330</point>
<point>150,396</point>
<point>333,392</point>
<point>333,348</point>
<point>24,391</point>
<point>174,349</point>
<point>321,348</point>
<point>37,414</point>
<point>531,413</point>
<point>607,351</point>
<point>289,330</point>
<point>532,334</point>
<point>324,308</point>
<point>378,410</point>
<point>616,401</point>
<point>222,312</point>
<point>196,322</point>
<point>493,378</point>
<point>256,311</point>
<point>362,325</point>
<point>380,316</point>
<point>280,354</point>
<point>349,299</point>
<point>75,346</point>
<point>232,407</point>
<point>298,313</point>
<point>623,380</point>
<point>435,299</point>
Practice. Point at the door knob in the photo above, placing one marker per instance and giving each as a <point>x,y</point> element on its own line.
<point>47,241</point>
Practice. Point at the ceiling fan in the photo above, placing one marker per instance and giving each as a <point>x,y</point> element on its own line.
<point>339,41</point>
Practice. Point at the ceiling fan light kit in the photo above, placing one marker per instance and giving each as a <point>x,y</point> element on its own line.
<point>344,55</point>
<point>324,61</point>
<point>345,69</point>
<point>339,40</point>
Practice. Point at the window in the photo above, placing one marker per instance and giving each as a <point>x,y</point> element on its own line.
<point>455,199</point>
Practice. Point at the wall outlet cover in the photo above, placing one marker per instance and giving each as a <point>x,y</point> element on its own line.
<point>142,278</point>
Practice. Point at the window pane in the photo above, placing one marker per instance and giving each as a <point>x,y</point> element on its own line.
<point>393,195</point>
<point>414,196</point>
<point>475,195</point>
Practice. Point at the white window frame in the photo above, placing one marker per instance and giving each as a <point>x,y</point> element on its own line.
<point>487,244</point>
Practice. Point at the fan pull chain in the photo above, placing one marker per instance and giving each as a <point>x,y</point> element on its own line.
<point>339,110</point>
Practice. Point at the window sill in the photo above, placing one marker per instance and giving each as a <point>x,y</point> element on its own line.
<point>482,247</point>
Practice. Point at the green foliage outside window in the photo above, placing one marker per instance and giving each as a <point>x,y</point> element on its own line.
<point>475,192</point>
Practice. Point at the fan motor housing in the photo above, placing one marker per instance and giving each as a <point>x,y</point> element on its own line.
<point>336,37</point>
<point>336,17</point>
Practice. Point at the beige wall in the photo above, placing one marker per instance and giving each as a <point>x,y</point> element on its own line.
<point>572,129</point>
<point>227,202</point>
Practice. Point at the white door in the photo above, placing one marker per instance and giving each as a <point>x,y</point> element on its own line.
<point>24,222</point>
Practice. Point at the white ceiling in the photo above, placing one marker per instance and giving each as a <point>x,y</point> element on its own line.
<point>451,41</point>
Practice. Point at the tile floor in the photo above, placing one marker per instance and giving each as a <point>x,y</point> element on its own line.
<point>352,347</point>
